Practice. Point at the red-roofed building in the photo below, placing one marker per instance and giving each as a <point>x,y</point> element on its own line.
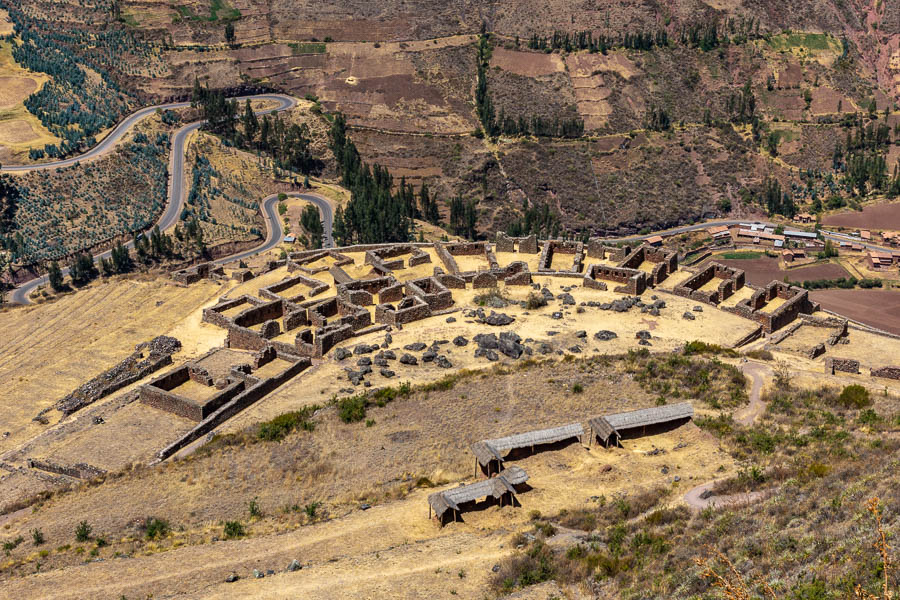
<point>880,260</point>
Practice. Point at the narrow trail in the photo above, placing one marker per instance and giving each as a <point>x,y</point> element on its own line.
<point>699,497</point>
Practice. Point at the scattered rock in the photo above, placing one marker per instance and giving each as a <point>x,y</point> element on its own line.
<point>495,568</point>
<point>511,348</point>
<point>409,359</point>
<point>451,319</point>
<point>499,319</point>
<point>706,494</point>
<point>387,373</point>
<point>557,315</point>
<point>688,315</point>
<point>581,334</point>
<point>429,355</point>
<point>547,294</point>
<point>511,336</point>
<point>486,341</point>
<point>388,339</point>
<point>341,354</point>
<point>232,578</point>
<point>364,349</point>
<point>575,349</point>
<point>364,362</point>
<point>606,469</point>
<point>415,347</point>
<point>604,335</point>
<point>380,361</point>
<point>644,343</point>
<point>365,506</point>
<point>643,335</point>
<point>698,308</point>
<point>258,574</point>
<point>579,310</point>
<point>389,355</point>
<point>443,362</point>
<point>460,341</point>
<point>567,299</point>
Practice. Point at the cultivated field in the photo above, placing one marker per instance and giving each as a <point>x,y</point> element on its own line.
<point>761,271</point>
<point>875,216</point>
<point>878,308</point>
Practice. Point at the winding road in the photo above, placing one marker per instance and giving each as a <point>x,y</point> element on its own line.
<point>176,195</point>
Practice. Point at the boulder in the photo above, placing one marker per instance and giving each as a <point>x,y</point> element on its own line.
<point>294,566</point>
<point>688,315</point>
<point>643,335</point>
<point>567,299</point>
<point>409,359</point>
<point>416,346</point>
<point>605,335</point>
<point>387,373</point>
<point>443,362</point>
<point>460,341</point>
<point>486,341</point>
<point>342,353</point>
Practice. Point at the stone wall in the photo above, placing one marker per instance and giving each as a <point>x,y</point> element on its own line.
<point>259,314</point>
<point>597,248</point>
<point>135,367</point>
<point>431,291</point>
<point>846,365</point>
<point>665,262</point>
<point>77,471</point>
<point>484,279</point>
<point>552,247</point>
<point>886,372</point>
<point>273,292</point>
<point>526,245</point>
<point>732,280</point>
<point>446,258</point>
<point>234,406</point>
<point>633,281</point>
<point>408,310</point>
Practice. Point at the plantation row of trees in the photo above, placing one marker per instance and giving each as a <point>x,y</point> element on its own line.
<point>705,35</point>
<point>493,125</point>
<point>71,105</point>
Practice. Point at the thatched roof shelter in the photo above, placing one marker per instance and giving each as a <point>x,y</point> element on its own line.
<point>496,487</point>
<point>610,428</point>
<point>489,450</point>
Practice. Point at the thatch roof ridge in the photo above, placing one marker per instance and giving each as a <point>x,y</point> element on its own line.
<point>451,498</point>
<point>650,416</point>
<point>487,450</point>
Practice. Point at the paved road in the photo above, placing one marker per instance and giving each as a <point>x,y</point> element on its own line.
<point>176,174</point>
<point>275,232</point>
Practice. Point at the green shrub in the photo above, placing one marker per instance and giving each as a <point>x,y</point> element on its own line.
<point>577,388</point>
<point>255,511</point>
<point>83,532</point>
<point>352,409</point>
<point>279,427</point>
<point>869,417</point>
<point>855,396</point>
<point>312,509</point>
<point>37,536</point>
<point>234,529</point>
<point>157,528</point>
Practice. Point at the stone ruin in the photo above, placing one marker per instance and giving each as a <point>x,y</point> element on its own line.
<point>552,248</point>
<point>239,388</point>
<point>796,301</point>
<point>886,372</point>
<point>845,365</point>
<point>664,261</point>
<point>524,245</point>
<point>726,281</point>
<point>195,273</point>
<point>147,358</point>
<point>633,282</point>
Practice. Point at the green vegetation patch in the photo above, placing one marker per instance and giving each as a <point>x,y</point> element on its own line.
<point>818,42</point>
<point>219,10</point>
<point>308,47</point>
<point>742,255</point>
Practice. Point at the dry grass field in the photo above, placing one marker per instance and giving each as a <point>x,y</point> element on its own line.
<point>19,129</point>
<point>49,350</point>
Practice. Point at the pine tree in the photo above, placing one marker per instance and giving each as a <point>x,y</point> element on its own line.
<point>250,122</point>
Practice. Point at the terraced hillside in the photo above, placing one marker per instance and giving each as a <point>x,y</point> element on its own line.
<point>758,97</point>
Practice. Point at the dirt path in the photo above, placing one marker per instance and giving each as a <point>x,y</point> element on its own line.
<point>757,373</point>
<point>696,500</point>
<point>746,416</point>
